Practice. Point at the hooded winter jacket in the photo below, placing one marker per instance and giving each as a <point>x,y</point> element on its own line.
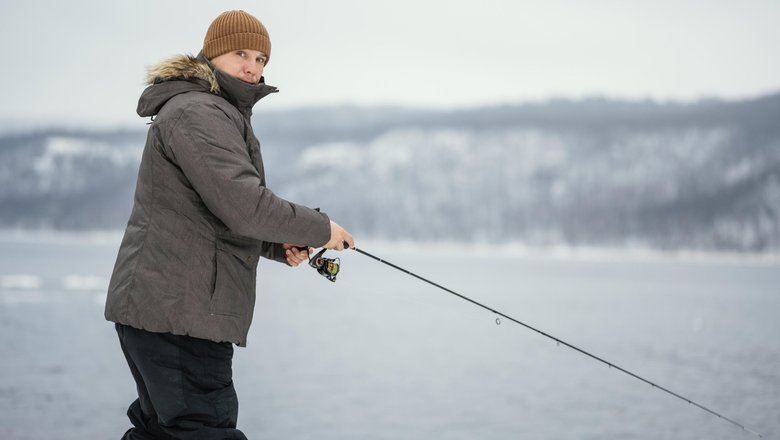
<point>202,213</point>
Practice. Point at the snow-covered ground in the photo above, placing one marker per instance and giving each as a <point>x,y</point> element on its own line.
<point>381,355</point>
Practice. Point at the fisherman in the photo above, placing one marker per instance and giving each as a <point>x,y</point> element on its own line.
<point>183,286</point>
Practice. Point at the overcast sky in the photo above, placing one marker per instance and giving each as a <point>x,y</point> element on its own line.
<point>83,61</point>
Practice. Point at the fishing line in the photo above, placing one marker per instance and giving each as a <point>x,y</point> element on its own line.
<point>500,315</point>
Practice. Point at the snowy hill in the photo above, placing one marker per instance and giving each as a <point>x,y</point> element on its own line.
<point>594,172</point>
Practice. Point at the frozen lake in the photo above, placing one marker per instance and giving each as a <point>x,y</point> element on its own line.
<point>380,355</point>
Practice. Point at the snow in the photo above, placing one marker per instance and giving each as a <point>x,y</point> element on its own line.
<point>20,281</point>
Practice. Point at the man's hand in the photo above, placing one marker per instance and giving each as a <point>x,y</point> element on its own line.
<point>295,254</point>
<point>338,236</point>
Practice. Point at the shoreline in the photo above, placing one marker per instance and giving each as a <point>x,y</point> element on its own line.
<point>630,253</point>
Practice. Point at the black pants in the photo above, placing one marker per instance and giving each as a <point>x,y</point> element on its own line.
<point>185,387</point>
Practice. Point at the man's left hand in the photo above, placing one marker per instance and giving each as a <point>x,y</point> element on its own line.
<point>295,254</point>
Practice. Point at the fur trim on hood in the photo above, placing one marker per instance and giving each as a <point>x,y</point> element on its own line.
<point>186,73</point>
<point>182,67</point>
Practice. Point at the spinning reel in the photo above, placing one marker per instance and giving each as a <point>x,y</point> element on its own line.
<point>327,267</point>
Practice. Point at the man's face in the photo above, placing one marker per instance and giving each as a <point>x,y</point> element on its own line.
<point>244,64</point>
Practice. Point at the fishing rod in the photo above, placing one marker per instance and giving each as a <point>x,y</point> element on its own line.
<point>329,268</point>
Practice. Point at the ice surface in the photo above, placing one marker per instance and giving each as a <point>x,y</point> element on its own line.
<point>381,355</point>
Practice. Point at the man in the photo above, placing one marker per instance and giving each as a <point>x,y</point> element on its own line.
<point>183,287</point>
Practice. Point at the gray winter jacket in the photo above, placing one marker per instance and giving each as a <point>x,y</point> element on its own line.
<point>202,213</point>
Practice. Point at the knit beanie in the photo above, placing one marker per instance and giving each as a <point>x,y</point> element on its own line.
<point>234,30</point>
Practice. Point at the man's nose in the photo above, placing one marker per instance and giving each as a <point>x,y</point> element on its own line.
<point>251,67</point>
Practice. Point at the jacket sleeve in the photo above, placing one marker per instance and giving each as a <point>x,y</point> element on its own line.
<point>213,156</point>
<point>274,251</point>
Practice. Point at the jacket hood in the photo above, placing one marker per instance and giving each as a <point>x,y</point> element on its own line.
<point>186,73</point>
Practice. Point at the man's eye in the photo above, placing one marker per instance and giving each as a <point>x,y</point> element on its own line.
<point>241,53</point>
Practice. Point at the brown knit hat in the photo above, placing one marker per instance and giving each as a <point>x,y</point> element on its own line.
<point>234,30</point>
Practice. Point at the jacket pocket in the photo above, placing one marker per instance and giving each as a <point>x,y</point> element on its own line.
<point>234,281</point>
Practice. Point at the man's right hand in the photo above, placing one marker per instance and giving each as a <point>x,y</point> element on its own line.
<point>338,236</point>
